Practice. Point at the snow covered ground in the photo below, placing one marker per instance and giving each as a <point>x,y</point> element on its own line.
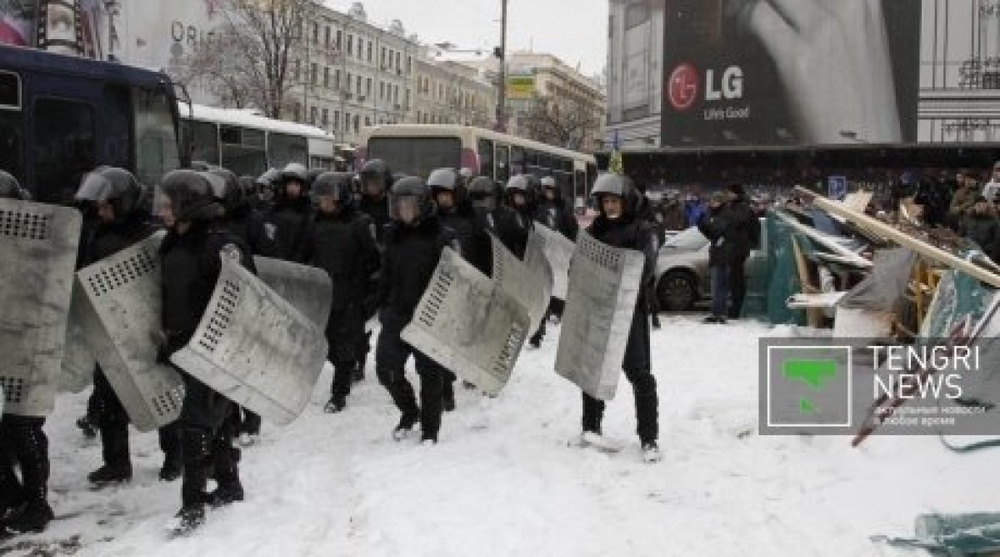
<point>503,481</point>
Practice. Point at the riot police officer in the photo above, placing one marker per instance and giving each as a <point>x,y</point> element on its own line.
<point>375,180</point>
<point>113,202</point>
<point>341,241</point>
<point>23,501</point>
<point>413,245</point>
<point>285,224</point>
<point>190,258</point>
<point>619,225</point>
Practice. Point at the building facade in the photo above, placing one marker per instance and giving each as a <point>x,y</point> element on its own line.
<point>635,74</point>
<point>448,92</point>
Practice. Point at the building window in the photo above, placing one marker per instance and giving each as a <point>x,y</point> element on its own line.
<point>313,73</point>
<point>357,122</point>
<point>409,65</point>
<point>368,121</point>
<point>399,66</point>
<point>369,51</point>
<point>313,114</point>
<point>315,33</point>
<point>326,36</point>
<point>326,116</point>
<point>347,85</point>
<point>350,44</point>
<point>382,59</point>
<point>347,121</point>
<point>395,94</point>
<point>358,84</point>
<point>297,112</point>
<point>336,79</point>
<point>381,90</point>
<point>338,42</point>
<point>368,87</point>
<point>336,119</point>
<point>326,77</point>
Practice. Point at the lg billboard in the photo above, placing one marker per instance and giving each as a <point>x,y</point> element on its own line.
<point>790,72</point>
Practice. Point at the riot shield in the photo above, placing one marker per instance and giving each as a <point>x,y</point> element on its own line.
<point>78,359</point>
<point>123,308</point>
<point>528,281</point>
<point>38,249</point>
<point>603,288</point>
<point>308,289</point>
<point>558,250</point>
<point>254,347</point>
<point>468,324</point>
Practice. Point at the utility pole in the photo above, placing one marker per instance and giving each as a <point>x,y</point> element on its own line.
<point>502,101</point>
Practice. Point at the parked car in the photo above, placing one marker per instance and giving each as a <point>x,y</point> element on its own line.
<point>682,274</point>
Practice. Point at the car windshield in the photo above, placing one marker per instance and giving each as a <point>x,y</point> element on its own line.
<point>690,238</point>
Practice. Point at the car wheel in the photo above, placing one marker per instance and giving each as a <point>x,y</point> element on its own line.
<point>676,291</point>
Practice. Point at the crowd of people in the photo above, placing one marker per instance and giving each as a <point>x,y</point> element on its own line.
<point>377,235</point>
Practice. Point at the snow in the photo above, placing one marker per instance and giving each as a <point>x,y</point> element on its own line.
<point>503,480</point>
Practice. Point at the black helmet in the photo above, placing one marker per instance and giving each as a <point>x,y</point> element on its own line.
<point>375,173</point>
<point>549,183</point>
<point>608,183</point>
<point>337,185</point>
<point>112,185</point>
<point>190,195</point>
<point>10,188</point>
<point>526,184</point>
<point>410,191</point>
<point>269,178</point>
<point>231,194</point>
<point>484,193</point>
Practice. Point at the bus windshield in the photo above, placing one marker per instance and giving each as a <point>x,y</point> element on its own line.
<point>416,156</point>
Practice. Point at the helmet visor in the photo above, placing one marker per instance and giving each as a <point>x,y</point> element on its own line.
<point>405,208</point>
<point>94,187</point>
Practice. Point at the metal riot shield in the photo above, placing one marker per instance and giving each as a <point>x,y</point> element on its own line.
<point>603,288</point>
<point>38,249</point>
<point>558,250</point>
<point>528,281</point>
<point>308,289</point>
<point>254,347</point>
<point>468,324</point>
<point>122,314</point>
<point>78,359</point>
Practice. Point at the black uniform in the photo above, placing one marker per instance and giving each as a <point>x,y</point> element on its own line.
<point>631,233</point>
<point>344,246</point>
<point>104,407</point>
<point>378,210</point>
<point>511,228</point>
<point>746,235</point>
<point>247,223</point>
<point>190,269</point>
<point>411,255</point>
<point>285,226</point>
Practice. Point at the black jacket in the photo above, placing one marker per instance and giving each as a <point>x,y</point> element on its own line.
<point>378,210</point>
<point>746,228</point>
<point>558,216</point>
<point>248,224</point>
<point>511,228</point>
<point>104,240</point>
<point>471,235</point>
<point>408,263</point>
<point>344,246</point>
<point>285,226</point>
<point>717,225</point>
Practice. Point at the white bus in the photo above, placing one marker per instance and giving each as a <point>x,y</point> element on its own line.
<point>247,143</point>
<point>416,149</point>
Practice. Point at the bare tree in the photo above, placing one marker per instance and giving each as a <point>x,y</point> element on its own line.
<point>246,61</point>
<point>564,122</point>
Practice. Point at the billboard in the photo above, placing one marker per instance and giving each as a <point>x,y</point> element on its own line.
<point>790,72</point>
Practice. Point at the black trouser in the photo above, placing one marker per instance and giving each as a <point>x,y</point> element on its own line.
<point>23,442</point>
<point>112,421</point>
<point>737,285</point>
<point>391,354</point>
<point>556,307</point>
<point>345,336</point>
<point>637,370</point>
<point>203,416</point>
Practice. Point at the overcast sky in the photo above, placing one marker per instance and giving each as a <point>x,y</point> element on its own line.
<point>574,30</point>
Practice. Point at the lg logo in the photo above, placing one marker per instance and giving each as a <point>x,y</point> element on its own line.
<point>683,86</point>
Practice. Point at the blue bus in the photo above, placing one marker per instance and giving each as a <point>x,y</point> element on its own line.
<point>61,116</point>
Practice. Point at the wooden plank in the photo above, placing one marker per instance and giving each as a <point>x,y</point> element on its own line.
<point>826,241</point>
<point>923,248</point>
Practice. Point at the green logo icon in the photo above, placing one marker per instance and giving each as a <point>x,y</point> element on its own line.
<point>814,373</point>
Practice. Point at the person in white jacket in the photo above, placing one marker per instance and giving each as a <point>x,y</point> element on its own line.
<point>991,191</point>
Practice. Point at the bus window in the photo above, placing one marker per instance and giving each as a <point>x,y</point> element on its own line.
<point>115,133</point>
<point>64,148</point>
<point>416,156</point>
<point>204,141</point>
<point>531,161</point>
<point>10,124</point>
<point>484,148</point>
<point>243,150</point>
<point>503,163</point>
<point>156,148</point>
<point>580,184</point>
<point>545,164</point>
<point>517,160</point>
<point>283,149</point>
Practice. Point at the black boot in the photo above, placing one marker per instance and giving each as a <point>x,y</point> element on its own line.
<point>432,383</point>
<point>646,409</point>
<point>197,458</point>
<point>227,475</point>
<point>11,490</point>
<point>593,413</point>
<point>448,394</point>
<point>173,452</point>
<point>31,448</point>
<point>117,466</point>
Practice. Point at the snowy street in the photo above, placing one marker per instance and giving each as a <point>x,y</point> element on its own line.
<point>504,482</point>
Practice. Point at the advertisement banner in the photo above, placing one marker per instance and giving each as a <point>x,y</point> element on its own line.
<point>804,72</point>
<point>520,86</point>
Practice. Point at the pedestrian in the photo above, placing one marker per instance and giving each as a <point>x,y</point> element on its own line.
<point>716,225</point>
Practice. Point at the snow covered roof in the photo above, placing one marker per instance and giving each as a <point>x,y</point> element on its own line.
<point>251,118</point>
